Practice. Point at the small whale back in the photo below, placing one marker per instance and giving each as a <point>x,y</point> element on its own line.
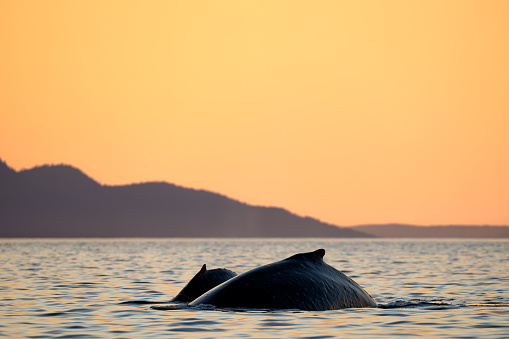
<point>303,281</point>
<point>202,282</point>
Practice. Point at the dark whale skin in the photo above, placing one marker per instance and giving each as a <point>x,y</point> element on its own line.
<point>303,281</point>
<point>203,281</point>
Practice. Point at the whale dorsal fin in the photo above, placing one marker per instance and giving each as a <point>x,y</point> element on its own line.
<point>203,269</point>
<point>318,254</point>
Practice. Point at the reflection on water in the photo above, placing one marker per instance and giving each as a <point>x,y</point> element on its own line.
<point>104,288</point>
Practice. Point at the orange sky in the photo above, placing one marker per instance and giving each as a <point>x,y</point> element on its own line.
<point>348,111</point>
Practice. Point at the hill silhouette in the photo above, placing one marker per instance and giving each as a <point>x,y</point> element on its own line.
<point>62,201</point>
<point>438,231</point>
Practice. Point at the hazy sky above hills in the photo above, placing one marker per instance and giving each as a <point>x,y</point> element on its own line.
<point>349,111</point>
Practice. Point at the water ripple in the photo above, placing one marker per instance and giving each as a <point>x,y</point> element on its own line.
<point>99,288</point>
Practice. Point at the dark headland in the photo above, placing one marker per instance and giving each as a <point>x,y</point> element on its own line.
<point>62,201</point>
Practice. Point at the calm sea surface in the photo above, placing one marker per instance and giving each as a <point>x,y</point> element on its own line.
<point>95,288</point>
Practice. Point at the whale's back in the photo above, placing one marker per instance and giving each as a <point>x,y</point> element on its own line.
<point>303,281</point>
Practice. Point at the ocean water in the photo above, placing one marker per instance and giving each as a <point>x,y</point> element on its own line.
<point>104,288</point>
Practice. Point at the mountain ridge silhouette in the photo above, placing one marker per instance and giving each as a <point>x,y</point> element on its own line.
<point>434,231</point>
<point>62,201</point>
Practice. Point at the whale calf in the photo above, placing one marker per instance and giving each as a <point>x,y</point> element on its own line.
<point>203,281</point>
<point>303,281</point>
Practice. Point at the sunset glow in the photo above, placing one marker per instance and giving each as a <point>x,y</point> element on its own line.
<point>351,112</point>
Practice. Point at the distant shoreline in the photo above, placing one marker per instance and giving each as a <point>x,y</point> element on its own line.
<point>438,231</point>
<point>60,201</point>
<point>480,232</point>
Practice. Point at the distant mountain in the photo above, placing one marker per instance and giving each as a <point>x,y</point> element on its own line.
<point>61,201</point>
<point>446,231</point>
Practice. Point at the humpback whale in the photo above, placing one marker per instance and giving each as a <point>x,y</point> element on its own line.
<point>203,281</point>
<point>303,281</point>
